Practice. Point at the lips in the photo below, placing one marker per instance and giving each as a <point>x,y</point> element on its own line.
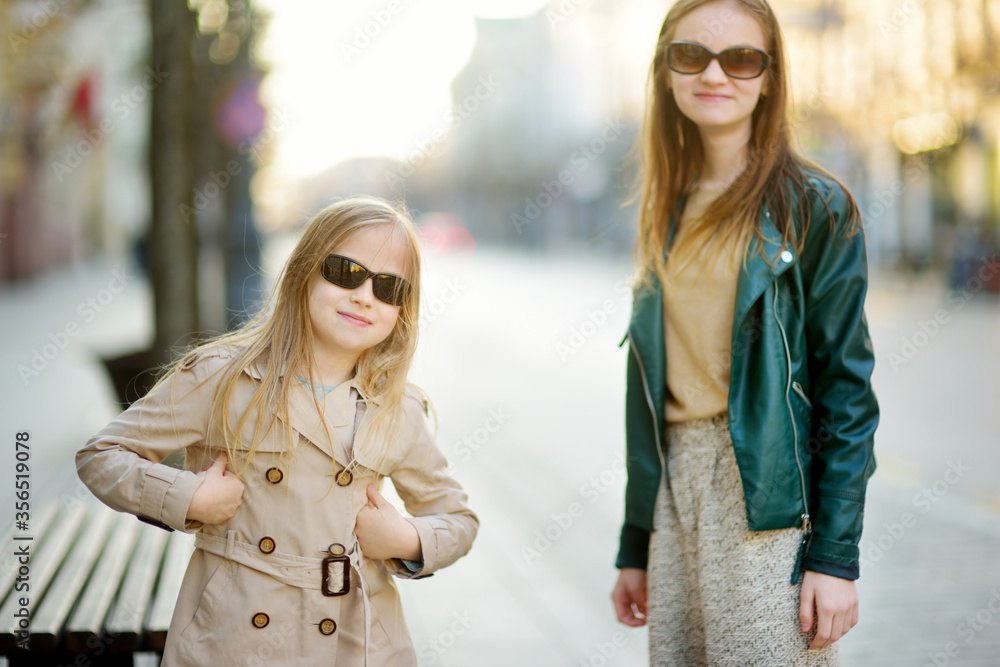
<point>354,319</point>
<point>709,97</point>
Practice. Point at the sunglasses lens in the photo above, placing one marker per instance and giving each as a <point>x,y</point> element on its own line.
<point>344,272</point>
<point>390,289</point>
<point>742,63</point>
<point>688,58</point>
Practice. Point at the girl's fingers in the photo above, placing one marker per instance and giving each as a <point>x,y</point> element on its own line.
<point>806,604</point>
<point>374,497</point>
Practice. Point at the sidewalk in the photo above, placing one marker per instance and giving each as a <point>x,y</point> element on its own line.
<point>529,399</point>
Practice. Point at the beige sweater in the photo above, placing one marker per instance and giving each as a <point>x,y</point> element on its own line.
<point>698,302</point>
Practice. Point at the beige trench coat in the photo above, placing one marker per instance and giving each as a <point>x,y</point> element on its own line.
<point>253,591</point>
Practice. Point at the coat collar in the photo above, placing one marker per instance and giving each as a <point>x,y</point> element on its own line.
<point>331,426</point>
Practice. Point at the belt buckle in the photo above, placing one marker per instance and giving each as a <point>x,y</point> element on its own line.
<point>341,557</point>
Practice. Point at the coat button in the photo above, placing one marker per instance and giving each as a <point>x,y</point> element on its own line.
<point>786,256</point>
<point>261,620</point>
<point>266,545</point>
<point>344,478</point>
<point>337,549</point>
<point>274,476</point>
<point>327,626</point>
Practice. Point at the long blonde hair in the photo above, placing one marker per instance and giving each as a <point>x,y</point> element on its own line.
<point>671,156</point>
<point>280,338</point>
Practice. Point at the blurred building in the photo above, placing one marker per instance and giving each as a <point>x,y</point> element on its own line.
<point>908,92</point>
<point>73,120</point>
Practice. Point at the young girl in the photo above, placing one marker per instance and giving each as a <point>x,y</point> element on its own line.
<point>293,421</point>
<point>749,410</point>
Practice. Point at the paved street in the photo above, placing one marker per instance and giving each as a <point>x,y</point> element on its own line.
<point>520,354</point>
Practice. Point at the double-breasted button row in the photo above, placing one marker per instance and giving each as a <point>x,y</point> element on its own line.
<point>326,627</point>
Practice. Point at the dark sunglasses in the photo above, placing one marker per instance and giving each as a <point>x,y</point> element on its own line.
<point>345,272</point>
<point>741,62</point>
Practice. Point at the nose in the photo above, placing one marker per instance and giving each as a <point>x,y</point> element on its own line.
<point>713,73</point>
<point>364,294</point>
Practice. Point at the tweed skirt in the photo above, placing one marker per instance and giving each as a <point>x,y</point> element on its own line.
<point>718,593</point>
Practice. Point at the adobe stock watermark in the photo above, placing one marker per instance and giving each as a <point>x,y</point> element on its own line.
<point>432,651</point>
<point>605,651</point>
<point>269,650</point>
<point>121,108</point>
<point>967,630</point>
<point>594,320</point>
<point>45,11</point>
<point>562,522</point>
<point>911,345</point>
<point>924,500</point>
<point>430,147</point>
<point>218,181</point>
<point>431,309</point>
<point>901,13</point>
<point>467,447</point>
<point>371,29</point>
<point>580,160</point>
<point>86,311</point>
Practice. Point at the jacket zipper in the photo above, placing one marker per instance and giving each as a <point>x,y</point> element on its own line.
<point>806,521</point>
<point>649,399</point>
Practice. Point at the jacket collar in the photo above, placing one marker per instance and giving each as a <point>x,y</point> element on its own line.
<point>330,427</point>
<point>754,278</point>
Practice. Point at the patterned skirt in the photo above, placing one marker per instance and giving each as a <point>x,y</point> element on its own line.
<point>718,593</point>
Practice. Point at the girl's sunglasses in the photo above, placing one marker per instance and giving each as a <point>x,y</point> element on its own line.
<point>740,62</point>
<point>345,272</point>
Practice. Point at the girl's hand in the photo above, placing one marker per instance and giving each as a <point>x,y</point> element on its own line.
<point>383,533</point>
<point>630,596</point>
<point>835,599</point>
<point>218,496</point>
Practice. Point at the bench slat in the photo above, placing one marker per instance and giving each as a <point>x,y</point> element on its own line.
<point>85,627</point>
<point>47,623</point>
<point>126,620</point>
<point>39,526</point>
<point>174,566</point>
<point>46,557</point>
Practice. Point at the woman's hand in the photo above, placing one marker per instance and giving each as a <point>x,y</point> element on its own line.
<point>383,533</point>
<point>218,496</point>
<point>834,601</point>
<point>630,596</point>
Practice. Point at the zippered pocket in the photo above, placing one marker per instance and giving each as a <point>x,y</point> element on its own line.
<point>801,392</point>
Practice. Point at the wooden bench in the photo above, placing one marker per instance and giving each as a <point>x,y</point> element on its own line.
<point>102,587</point>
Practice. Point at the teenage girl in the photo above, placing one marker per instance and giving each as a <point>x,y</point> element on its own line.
<point>749,413</point>
<point>294,421</point>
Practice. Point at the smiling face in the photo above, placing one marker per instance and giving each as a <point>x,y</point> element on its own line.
<point>711,99</point>
<point>346,322</point>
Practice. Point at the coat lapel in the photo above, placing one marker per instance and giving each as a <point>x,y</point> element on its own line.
<point>758,274</point>
<point>330,426</point>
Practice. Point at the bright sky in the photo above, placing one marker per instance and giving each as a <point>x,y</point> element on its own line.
<point>357,78</point>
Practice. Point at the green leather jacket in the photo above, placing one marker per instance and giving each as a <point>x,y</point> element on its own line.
<point>802,413</point>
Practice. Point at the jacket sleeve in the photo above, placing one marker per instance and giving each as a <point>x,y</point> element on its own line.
<point>122,464</point>
<point>841,359</point>
<point>435,501</point>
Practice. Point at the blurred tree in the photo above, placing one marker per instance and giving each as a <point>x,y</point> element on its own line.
<point>173,240</point>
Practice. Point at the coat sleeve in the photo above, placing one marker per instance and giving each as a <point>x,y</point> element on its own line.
<point>841,360</point>
<point>435,501</point>
<point>122,464</point>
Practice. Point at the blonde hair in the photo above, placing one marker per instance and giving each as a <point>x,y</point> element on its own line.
<point>671,156</point>
<point>280,339</point>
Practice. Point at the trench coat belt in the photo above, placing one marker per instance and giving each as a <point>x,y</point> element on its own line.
<point>297,571</point>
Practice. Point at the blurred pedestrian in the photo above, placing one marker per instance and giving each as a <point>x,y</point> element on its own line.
<point>749,412</point>
<point>294,421</point>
